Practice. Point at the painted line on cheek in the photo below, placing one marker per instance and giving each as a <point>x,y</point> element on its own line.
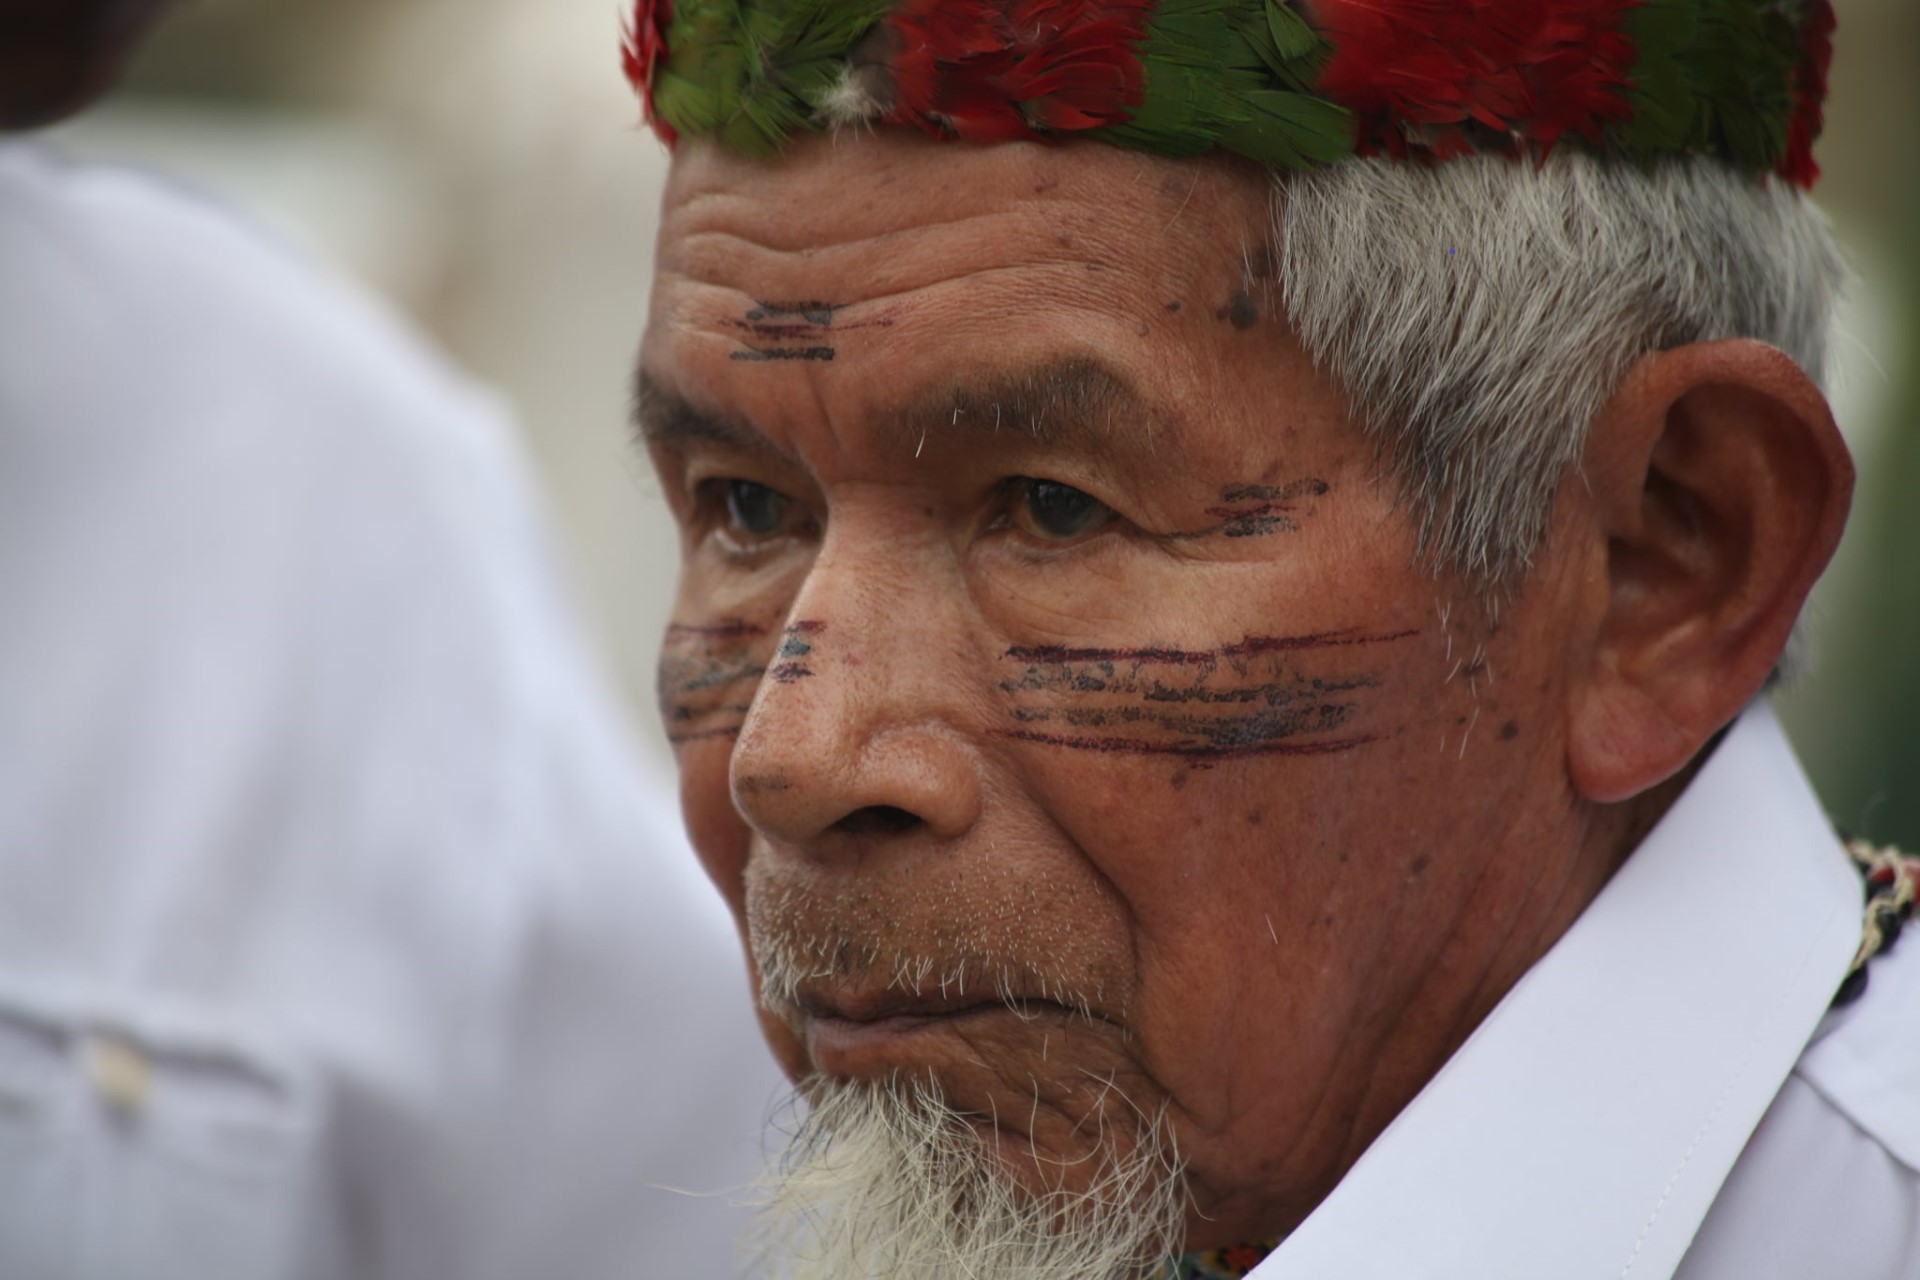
<point>760,354</point>
<point>729,629</point>
<point>1310,487</point>
<point>684,713</point>
<point>1252,646</point>
<point>1190,751</point>
<point>701,674</point>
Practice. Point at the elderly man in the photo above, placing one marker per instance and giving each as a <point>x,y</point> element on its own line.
<point>1231,550</point>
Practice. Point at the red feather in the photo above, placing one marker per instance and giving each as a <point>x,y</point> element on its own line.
<point>645,45</point>
<point>1420,73</point>
<point>1810,95</point>
<point>990,71</point>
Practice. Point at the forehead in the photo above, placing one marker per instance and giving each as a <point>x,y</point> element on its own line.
<point>886,265</point>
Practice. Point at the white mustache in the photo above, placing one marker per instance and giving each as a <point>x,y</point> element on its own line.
<point>789,966</point>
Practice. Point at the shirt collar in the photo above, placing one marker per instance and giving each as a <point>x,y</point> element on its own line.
<point>1587,1124</point>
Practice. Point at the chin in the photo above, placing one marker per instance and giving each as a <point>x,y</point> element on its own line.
<point>890,1178</point>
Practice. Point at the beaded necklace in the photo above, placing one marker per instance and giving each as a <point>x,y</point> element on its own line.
<point>1892,879</point>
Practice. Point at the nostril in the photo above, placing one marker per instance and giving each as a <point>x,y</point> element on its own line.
<point>877,820</point>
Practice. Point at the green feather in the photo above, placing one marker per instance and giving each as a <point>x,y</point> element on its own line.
<point>1226,74</point>
<point>1711,76</point>
<point>1292,131</point>
<point>1292,36</point>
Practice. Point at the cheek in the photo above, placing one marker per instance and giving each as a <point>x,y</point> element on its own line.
<point>718,834</point>
<point>712,661</point>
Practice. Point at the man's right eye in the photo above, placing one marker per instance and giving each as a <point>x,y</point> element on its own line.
<point>747,513</point>
<point>754,510</point>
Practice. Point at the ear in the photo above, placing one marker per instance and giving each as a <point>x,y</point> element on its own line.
<point>1720,486</point>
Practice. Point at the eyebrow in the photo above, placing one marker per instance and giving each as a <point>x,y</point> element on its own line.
<point>663,417</point>
<point>1073,402</point>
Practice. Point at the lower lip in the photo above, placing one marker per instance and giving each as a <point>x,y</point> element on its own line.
<point>843,1047</point>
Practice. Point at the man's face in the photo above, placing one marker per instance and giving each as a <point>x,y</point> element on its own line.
<point>1058,704</point>
<point>56,56</point>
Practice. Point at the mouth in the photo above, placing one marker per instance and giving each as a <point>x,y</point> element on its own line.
<point>856,1034</point>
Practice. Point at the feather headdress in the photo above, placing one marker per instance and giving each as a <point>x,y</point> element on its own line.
<point>1289,83</point>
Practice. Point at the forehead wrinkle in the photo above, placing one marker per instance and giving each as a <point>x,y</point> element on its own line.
<point>854,280</point>
<point>769,232</point>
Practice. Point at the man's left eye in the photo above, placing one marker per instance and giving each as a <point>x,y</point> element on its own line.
<point>1057,512</point>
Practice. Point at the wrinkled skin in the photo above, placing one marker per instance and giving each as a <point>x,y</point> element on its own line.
<point>1288,813</point>
<point>57,56</point>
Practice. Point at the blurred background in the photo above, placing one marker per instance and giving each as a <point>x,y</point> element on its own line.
<point>479,163</point>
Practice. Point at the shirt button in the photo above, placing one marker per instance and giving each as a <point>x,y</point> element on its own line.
<point>121,1072</point>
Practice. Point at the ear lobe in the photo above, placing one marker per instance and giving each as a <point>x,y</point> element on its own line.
<point>1721,486</point>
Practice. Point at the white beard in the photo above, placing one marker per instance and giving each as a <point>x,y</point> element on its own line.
<point>888,1182</point>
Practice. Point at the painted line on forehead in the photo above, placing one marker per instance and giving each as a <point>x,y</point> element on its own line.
<point>787,331</point>
<point>806,323</point>
<point>1197,752</point>
<point>1251,647</point>
<point>818,314</point>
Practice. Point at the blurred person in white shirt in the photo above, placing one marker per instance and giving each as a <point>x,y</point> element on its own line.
<point>341,932</point>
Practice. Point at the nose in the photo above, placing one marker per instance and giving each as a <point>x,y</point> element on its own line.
<point>860,731</point>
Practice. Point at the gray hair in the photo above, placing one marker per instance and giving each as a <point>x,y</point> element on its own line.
<point>1480,312</point>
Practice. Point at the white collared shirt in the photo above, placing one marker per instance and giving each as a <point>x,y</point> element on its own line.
<point>1666,1094</point>
<point>342,936</point>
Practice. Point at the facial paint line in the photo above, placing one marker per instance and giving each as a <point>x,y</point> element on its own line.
<point>771,331</point>
<point>681,676</point>
<point>818,314</point>
<point>1310,487</point>
<point>1195,752</point>
<point>682,713</point>
<point>790,672</point>
<point>1105,677</point>
<point>728,629</point>
<point>1251,647</point>
<point>1213,731</point>
<point>757,354</point>
<point>1259,510</point>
